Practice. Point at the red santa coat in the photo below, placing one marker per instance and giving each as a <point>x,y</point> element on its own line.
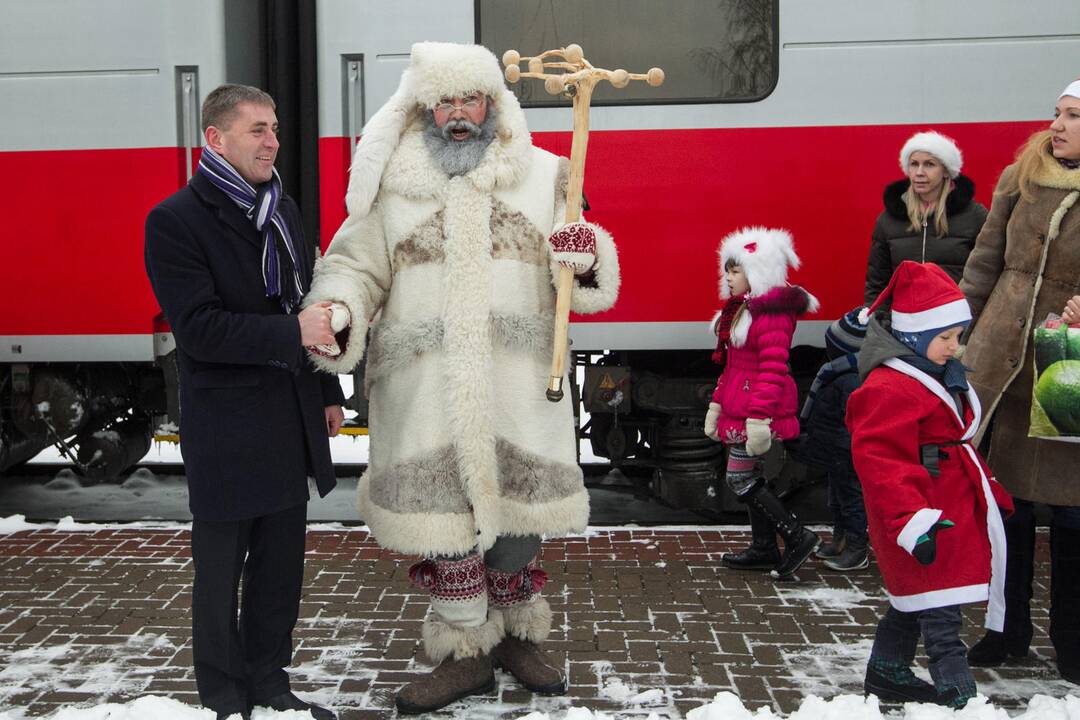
<point>897,410</point>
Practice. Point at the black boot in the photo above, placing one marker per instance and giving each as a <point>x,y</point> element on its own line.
<point>1065,599</point>
<point>895,682</point>
<point>763,553</point>
<point>854,556</point>
<point>799,543</point>
<point>994,648</point>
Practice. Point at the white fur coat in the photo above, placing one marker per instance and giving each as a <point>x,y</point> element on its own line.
<point>464,445</point>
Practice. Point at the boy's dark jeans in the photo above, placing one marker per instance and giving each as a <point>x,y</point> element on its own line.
<point>845,500</point>
<point>897,638</point>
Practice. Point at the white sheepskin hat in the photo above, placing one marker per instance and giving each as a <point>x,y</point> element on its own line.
<point>436,70</point>
<point>941,147</point>
<point>764,254</point>
<point>1072,90</point>
<point>439,69</point>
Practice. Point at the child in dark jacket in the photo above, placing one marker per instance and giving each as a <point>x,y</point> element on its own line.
<point>826,443</point>
<point>755,400</point>
<point>934,511</point>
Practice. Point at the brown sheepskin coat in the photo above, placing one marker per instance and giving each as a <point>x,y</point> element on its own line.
<point>1025,265</point>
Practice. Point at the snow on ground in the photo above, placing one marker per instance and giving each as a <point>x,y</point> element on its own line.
<point>726,706</point>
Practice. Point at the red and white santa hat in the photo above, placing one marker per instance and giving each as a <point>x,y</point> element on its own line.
<point>924,298</point>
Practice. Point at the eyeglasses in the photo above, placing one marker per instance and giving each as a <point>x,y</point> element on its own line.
<point>471,103</point>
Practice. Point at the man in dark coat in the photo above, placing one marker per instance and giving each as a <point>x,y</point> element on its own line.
<point>229,265</point>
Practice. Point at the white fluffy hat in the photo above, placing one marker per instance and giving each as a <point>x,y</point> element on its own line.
<point>436,70</point>
<point>1072,90</point>
<point>764,254</point>
<point>941,147</point>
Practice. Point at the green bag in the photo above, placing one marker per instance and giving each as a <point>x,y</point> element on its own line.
<point>1055,397</point>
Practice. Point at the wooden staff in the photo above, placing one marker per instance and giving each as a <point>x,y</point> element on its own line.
<point>577,79</point>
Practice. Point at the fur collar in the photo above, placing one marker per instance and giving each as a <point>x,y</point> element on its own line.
<point>958,201</point>
<point>1053,174</point>
<point>782,300</point>
<point>392,155</point>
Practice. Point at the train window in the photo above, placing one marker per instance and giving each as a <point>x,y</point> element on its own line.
<point>711,50</point>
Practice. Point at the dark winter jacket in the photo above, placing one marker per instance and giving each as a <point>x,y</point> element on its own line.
<point>894,241</point>
<point>252,419</point>
<point>825,441</point>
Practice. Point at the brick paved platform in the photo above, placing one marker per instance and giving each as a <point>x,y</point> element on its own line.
<point>101,616</point>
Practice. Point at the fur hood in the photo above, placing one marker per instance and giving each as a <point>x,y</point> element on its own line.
<point>783,300</point>
<point>439,70</point>
<point>957,202</point>
<point>764,254</point>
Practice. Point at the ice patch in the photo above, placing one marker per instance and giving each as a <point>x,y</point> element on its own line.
<point>831,598</point>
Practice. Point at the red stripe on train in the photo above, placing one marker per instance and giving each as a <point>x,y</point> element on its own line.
<point>668,196</point>
<point>73,238</point>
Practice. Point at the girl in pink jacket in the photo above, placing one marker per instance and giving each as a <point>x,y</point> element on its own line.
<point>755,398</point>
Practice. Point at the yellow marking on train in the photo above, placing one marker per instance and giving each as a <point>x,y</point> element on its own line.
<point>175,438</point>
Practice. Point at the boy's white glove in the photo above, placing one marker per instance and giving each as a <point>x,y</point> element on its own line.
<point>712,417</point>
<point>758,436</point>
<point>339,320</point>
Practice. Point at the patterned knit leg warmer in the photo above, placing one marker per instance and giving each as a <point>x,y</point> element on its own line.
<point>516,597</point>
<point>458,625</point>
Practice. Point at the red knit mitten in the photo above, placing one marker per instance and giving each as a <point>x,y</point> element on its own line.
<point>574,246</point>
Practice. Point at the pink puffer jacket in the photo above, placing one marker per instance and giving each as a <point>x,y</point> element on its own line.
<point>755,382</point>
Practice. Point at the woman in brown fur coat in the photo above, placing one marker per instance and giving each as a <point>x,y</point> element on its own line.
<point>1024,266</point>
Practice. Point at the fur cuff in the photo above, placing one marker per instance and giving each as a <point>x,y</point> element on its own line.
<point>588,300</point>
<point>334,287</point>
<point>531,621</point>
<point>442,640</point>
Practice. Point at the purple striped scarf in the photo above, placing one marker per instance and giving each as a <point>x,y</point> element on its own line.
<point>261,207</point>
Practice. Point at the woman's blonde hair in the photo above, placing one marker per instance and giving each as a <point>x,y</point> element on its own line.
<point>914,205</point>
<point>1028,159</point>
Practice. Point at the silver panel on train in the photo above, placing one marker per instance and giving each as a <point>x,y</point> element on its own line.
<point>101,74</point>
<point>382,32</point>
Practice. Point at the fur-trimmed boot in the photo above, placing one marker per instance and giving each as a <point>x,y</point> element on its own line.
<point>458,635</point>
<point>527,619</point>
<point>763,553</point>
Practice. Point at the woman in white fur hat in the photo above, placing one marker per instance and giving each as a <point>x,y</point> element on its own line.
<point>1024,266</point>
<point>930,216</point>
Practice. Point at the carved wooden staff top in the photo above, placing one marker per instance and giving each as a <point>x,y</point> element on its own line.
<point>577,79</point>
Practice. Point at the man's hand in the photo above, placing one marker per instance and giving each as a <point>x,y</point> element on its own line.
<point>340,318</point>
<point>574,246</point>
<point>335,418</point>
<point>315,325</point>
<point>1071,313</point>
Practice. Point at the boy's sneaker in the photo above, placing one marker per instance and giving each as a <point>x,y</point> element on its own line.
<point>895,682</point>
<point>833,547</point>
<point>855,556</point>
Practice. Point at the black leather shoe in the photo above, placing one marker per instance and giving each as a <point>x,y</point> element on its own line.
<point>288,701</point>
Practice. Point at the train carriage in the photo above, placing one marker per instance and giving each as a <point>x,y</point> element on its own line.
<point>774,112</point>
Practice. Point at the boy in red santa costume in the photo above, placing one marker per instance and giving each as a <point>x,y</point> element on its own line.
<point>934,512</point>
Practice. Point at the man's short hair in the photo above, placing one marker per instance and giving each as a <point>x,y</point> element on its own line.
<point>219,107</point>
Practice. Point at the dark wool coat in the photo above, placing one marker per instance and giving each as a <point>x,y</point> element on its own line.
<point>894,241</point>
<point>826,442</point>
<point>252,423</point>
<point>1025,265</point>
<point>896,412</point>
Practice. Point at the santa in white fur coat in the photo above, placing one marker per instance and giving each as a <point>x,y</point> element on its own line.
<point>454,239</point>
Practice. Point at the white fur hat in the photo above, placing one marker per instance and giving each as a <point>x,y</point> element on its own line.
<point>1073,90</point>
<point>436,70</point>
<point>941,147</point>
<point>764,254</point>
